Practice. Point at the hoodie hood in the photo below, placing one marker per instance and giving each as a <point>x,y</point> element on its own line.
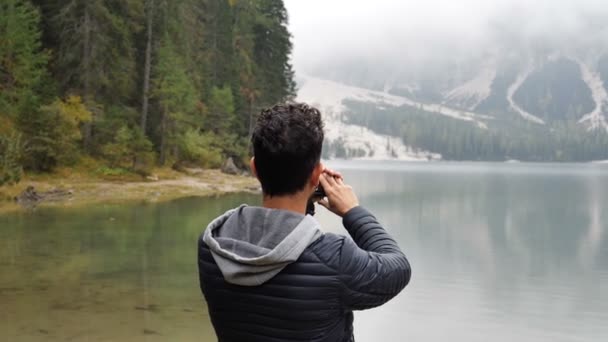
<point>251,244</point>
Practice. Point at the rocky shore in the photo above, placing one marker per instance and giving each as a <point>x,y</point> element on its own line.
<point>30,194</point>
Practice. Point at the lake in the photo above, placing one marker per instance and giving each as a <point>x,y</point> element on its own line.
<point>500,252</point>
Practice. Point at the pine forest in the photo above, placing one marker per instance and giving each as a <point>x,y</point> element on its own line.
<point>128,85</point>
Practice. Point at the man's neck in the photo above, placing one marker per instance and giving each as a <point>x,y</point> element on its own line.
<point>296,203</point>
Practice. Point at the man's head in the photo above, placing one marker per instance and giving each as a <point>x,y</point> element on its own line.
<point>287,142</point>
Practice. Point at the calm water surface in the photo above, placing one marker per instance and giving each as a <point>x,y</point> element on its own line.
<point>500,252</point>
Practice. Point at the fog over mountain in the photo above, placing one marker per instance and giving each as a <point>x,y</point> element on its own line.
<point>481,80</point>
<point>418,38</point>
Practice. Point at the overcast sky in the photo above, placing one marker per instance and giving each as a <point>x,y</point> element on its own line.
<point>414,32</point>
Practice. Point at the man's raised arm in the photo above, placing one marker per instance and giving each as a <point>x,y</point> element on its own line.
<point>372,267</point>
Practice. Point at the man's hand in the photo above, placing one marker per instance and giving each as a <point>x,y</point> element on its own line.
<point>333,173</point>
<point>340,197</point>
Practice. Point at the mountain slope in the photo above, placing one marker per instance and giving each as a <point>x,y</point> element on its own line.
<point>472,93</point>
<point>550,89</point>
<point>596,118</point>
<point>354,141</point>
<point>555,91</point>
<point>363,123</point>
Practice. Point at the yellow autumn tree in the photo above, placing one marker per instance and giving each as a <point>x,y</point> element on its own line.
<point>73,113</point>
<point>57,136</point>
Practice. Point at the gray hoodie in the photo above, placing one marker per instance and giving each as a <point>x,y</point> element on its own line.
<point>251,244</point>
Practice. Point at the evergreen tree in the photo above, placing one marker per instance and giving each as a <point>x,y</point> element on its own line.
<point>272,51</point>
<point>54,134</point>
<point>220,116</point>
<point>121,77</point>
<point>95,54</point>
<point>149,38</point>
<point>11,150</point>
<point>22,61</point>
<point>22,73</point>
<point>176,96</point>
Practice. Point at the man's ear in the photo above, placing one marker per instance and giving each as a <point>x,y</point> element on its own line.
<point>316,174</point>
<point>254,172</point>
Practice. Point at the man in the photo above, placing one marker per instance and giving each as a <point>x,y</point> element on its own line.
<point>268,273</point>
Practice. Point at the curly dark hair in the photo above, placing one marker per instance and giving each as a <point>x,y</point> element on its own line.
<point>287,142</point>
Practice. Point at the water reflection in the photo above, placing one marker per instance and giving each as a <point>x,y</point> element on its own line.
<point>113,273</point>
<point>499,252</point>
<point>590,244</point>
<point>496,252</point>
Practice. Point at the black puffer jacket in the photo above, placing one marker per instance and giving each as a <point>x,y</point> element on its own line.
<point>309,299</point>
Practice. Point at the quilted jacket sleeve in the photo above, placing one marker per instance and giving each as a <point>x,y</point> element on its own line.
<point>372,267</point>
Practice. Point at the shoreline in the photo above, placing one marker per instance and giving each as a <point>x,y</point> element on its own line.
<point>89,191</point>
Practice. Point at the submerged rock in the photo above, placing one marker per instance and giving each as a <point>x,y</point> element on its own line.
<point>56,195</point>
<point>30,198</point>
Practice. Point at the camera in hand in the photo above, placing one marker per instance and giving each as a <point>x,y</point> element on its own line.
<point>317,195</point>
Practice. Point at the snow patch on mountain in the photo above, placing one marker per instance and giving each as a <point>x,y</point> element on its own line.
<point>595,119</point>
<point>371,145</point>
<point>521,78</point>
<point>328,97</point>
<point>471,93</point>
<point>454,113</point>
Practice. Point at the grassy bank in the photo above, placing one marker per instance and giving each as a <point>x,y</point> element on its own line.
<point>88,188</point>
